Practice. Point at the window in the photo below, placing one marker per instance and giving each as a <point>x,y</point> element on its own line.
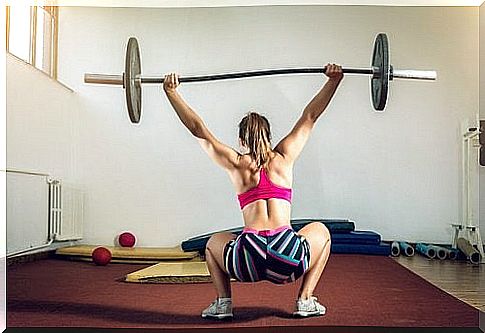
<point>32,36</point>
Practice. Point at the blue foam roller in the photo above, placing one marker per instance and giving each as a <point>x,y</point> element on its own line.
<point>406,249</point>
<point>441,253</point>
<point>454,254</point>
<point>426,250</point>
<point>395,249</point>
<point>383,249</point>
<point>449,253</point>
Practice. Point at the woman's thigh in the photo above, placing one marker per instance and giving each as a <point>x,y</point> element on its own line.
<point>216,245</point>
<point>317,236</point>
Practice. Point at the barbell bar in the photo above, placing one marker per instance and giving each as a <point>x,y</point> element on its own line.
<point>381,72</point>
<point>118,79</point>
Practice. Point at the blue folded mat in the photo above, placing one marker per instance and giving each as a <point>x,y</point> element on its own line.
<point>351,242</point>
<point>357,237</point>
<point>336,227</point>
<point>383,249</point>
<point>198,243</point>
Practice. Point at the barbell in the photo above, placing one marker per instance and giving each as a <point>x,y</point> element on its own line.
<point>381,72</point>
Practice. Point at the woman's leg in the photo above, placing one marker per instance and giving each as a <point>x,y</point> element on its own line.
<point>214,255</point>
<point>318,236</point>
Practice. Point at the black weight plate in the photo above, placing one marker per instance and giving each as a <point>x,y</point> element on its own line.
<point>132,82</point>
<point>380,84</point>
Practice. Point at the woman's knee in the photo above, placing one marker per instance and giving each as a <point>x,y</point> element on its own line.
<point>217,241</point>
<point>326,233</point>
<point>320,230</point>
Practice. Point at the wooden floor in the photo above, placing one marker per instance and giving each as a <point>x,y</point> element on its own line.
<point>460,279</point>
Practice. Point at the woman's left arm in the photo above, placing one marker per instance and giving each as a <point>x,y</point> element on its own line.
<point>223,155</point>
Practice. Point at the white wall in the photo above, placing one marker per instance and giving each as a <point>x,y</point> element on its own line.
<point>42,124</point>
<point>42,136</point>
<point>397,173</point>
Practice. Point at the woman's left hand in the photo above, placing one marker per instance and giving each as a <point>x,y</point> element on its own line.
<point>170,83</point>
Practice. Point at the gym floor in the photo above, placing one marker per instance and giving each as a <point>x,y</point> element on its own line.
<point>378,292</point>
<point>460,279</point>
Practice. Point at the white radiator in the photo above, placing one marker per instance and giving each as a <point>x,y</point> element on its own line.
<point>41,211</point>
<point>65,211</point>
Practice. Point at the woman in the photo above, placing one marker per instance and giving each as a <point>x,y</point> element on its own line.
<point>268,248</point>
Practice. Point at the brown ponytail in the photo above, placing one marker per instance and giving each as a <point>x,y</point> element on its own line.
<point>254,132</point>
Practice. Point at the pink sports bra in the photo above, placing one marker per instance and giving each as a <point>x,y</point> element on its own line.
<point>264,190</point>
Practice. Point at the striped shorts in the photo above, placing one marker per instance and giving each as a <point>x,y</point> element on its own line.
<point>279,255</point>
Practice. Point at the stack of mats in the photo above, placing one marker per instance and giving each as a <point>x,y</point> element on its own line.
<point>345,239</point>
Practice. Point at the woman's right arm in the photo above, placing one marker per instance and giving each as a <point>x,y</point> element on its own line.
<point>292,145</point>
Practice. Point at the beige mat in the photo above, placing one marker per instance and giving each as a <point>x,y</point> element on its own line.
<point>172,272</point>
<point>139,253</point>
<point>121,261</point>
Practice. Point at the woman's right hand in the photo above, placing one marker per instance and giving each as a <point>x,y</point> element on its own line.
<point>334,72</point>
<point>170,83</point>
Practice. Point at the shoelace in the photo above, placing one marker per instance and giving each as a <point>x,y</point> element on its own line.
<point>311,299</point>
<point>216,303</point>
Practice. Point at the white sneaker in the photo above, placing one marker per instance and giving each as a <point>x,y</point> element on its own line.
<point>309,307</point>
<point>219,309</point>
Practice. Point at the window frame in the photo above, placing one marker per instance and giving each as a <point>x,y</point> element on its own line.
<point>53,12</point>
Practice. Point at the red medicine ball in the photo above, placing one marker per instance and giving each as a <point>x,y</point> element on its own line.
<point>127,239</point>
<point>101,256</point>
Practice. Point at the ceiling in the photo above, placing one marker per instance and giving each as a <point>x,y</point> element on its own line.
<point>230,3</point>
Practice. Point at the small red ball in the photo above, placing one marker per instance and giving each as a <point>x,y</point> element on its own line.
<point>101,256</point>
<point>127,239</point>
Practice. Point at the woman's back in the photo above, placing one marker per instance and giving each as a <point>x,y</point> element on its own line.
<point>264,213</point>
<point>263,180</point>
